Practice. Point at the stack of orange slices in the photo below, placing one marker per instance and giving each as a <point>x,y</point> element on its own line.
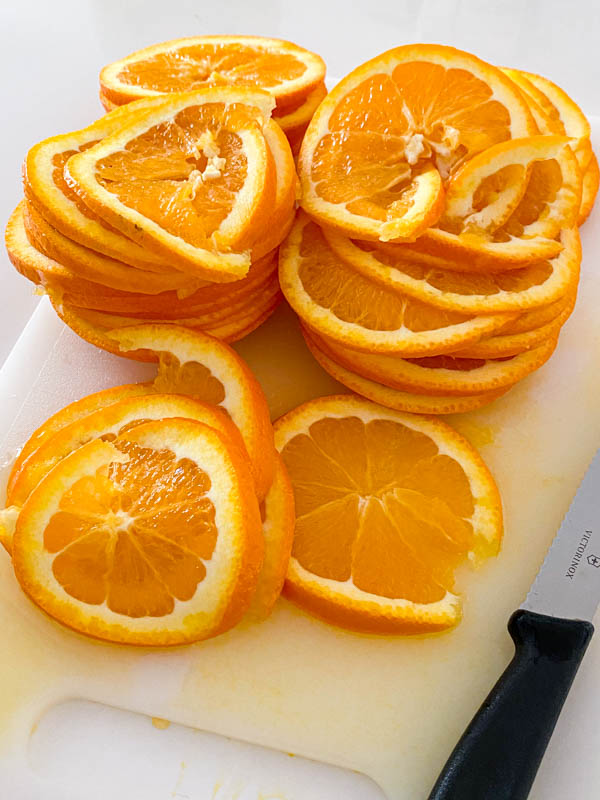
<point>437,255</point>
<point>295,77</point>
<point>155,513</point>
<point>170,209</point>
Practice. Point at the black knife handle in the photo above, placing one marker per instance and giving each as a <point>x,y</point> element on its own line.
<point>498,756</point>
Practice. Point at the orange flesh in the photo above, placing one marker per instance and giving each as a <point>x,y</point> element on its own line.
<point>363,155</point>
<point>134,536</point>
<point>160,173</point>
<point>187,68</point>
<point>544,183</point>
<point>191,379</point>
<point>377,504</point>
<point>469,283</point>
<point>352,298</point>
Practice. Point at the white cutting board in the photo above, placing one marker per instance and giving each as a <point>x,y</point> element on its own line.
<point>391,708</point>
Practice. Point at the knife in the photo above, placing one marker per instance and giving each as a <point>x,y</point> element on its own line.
<point>498,756</point>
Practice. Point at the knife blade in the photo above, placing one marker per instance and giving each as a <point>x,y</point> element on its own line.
<point>498,756</point>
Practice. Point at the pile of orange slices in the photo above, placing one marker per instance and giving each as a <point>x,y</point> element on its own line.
<point>155,513</point>
<point>295,77</point>
<point>437,254</point>
<point>171,207</point>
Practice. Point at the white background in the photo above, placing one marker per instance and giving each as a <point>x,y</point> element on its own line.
<point>52,50</point>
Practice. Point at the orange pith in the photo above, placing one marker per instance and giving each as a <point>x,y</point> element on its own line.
<point>385,514</point>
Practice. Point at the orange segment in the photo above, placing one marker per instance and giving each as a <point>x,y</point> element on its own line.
<point>332,298</point>
<point>375,144</point>
<point>388,505</point>
<point>189,180</point>
<point>197,364</point>
<point>287,71</point>
<point>153,539</point>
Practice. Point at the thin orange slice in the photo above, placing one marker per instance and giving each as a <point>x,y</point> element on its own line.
<point>108,422</point>
<point>490,188</point>
<point>297,119</point>
<point>443,375</point>
<point>278,518</point>
<point>189,180</point>
<point>591,181</point>
<point>536,317</point>
<point>539,284</point>
<point>412,402</point>
<point>511,344</point>
<point>388,505</point>
<point>153,539</point>
<point>196,364</point>
<point>332,298</point>
<point>383,140</point>
<point>88,265</point>
<point>46,189</point>
<point>561,113</point>
<point>72,413</point>
<point>284,69</point>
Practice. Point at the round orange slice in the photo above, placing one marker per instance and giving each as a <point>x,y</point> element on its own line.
<point>334,299</point>
<point>408,401</point>
<point>539,284</point>
<point>107,423</point>
<point>196,364</point>
<point>288,72</point>
<point>153,539</point>
<point>296,119</point>
<point>438,375</point>
<point>189,180</point>
<point>591,181</point>
<point>388,505</point>
<point>278,518</point>
<point>383,140</point>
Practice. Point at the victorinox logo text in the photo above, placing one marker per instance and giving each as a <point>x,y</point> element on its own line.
<point>575,561</point>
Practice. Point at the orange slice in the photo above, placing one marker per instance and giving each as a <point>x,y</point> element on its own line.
<point>561,114</point>
<point>536,317</point>
<point>506,345</point>
<point>277,512</point>
<point>591,180</point>
<point>107,423</point>
<point>72,413</point>
<point>296,119</point>
<point>47,190</point>
<point>539,284</point>
<point>81,263</point>
<point>490,188</point>
<point>383,140</point>
<point>153,539</point>
<point>286,71</point>
<point>388,505</point>
<point>194,363</point>
<point>410,402</point>
<point>444,375</point>
<point>332,298</point>
<point>188,180</point>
